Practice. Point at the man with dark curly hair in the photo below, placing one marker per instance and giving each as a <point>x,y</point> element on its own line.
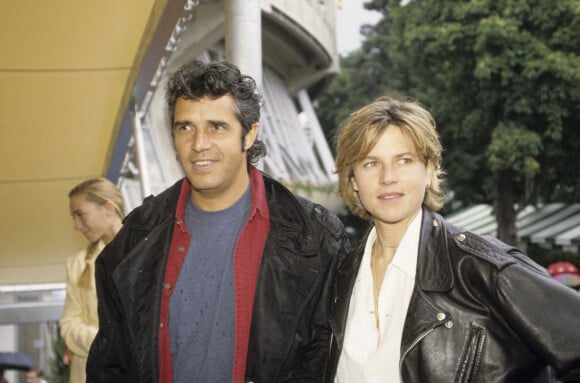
<point>225,276</point>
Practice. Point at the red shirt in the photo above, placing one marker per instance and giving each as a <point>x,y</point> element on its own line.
<point>247,258</point>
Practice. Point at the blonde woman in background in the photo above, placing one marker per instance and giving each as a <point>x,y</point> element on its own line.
<point>96,206</point>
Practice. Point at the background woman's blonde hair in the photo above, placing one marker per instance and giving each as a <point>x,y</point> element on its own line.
<point>100,191</point>
<point>362,130</point>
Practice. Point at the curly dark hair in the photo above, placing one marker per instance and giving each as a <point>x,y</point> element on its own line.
<point>197,79</point>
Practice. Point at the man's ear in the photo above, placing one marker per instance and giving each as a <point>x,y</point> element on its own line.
<point>251,136</point>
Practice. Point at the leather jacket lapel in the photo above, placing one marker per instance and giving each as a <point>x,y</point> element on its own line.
<point>434,271</point>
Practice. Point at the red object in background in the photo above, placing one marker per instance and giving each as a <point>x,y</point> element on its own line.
<point>562,268</point>
<point>565,272</point>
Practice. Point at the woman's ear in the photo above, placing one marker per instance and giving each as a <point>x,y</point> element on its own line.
<point>110,209</point>
<point>429,175</point>
<point>354,184</point>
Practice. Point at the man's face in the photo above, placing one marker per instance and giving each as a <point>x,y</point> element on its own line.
<point>207,138</point>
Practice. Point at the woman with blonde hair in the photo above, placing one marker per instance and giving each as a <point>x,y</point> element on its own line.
<point>423,300</point>
<point>97,208</point>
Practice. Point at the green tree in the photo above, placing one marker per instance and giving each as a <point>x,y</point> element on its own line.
<point>502,78</point>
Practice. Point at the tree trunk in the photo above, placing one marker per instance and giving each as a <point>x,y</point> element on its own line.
<point>504,208</point>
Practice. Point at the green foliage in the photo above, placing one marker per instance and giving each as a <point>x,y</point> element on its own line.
<point>501,78</point>
<point>544,256</point>
<point>514,148</point>
<point>59,372</point>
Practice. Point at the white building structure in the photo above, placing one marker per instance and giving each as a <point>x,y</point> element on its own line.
<point>287,46</point>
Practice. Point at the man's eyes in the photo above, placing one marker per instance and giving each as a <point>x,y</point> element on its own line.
<point>182,129</point>
<point>188,129</point>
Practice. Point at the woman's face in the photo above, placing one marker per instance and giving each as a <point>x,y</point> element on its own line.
<point>392,179</point>
<point>91,219</point>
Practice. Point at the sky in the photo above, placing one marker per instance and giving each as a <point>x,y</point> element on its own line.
<point>349,19</point>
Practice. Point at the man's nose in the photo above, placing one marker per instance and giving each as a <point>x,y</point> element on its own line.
<point>200,141</point>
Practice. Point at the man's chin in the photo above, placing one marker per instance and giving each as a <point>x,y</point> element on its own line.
<point>202,186</point>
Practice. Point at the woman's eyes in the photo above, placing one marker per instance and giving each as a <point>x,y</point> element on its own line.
<point>404,161</point>
<point>398,162</point>
<point>369,164</point>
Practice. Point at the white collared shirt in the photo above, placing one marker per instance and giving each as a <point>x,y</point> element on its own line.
<point>369,354</point>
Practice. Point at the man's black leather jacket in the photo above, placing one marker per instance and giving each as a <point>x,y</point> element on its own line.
<point>289,333</point>
<point>481,311</point>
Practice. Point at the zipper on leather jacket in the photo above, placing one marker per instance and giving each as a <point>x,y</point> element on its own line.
<point>412,345</point>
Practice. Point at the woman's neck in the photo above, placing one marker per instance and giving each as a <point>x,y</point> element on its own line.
<point>389,235</point>
<point>114,229</point>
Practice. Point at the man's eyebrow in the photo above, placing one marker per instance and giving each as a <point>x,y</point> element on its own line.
<point>218,122</point>
<point>212,122</point>
<point>181,122</point>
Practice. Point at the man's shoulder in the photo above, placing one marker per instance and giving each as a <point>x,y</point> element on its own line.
<point>155,207</point>
<point>154,211</point>
<point>293,207</point>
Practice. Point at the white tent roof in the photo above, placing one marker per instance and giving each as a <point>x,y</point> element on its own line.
<point>555,224</point>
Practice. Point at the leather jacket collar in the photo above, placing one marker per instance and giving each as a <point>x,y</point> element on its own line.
<point>433,260</point>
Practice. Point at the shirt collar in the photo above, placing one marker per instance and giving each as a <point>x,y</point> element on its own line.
<point>259,204</point>
<point>405,257</point>
<point>184,194</point>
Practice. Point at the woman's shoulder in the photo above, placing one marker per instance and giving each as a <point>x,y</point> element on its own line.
<point>489,248</point>
<point>89,252</point>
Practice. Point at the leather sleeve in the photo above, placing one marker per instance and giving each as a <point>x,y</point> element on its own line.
<point>110,358</point>
<point>314,356</point>
<point>545,314</point>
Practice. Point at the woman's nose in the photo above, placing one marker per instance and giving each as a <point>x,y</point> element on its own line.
<point>389,174</point>
<point>78,224</point>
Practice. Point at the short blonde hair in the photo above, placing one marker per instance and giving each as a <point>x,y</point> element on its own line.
<point>359,134</point>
